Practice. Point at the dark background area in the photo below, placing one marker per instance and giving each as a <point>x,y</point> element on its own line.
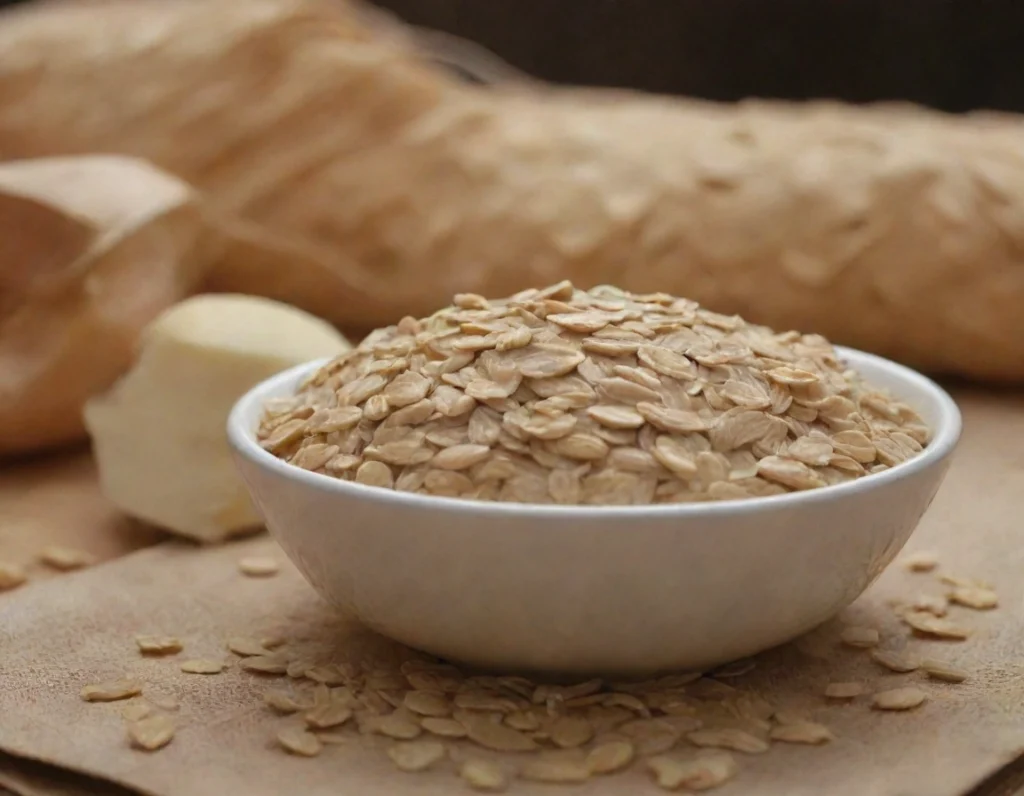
<point>950,54</point>
<point>954,55</point>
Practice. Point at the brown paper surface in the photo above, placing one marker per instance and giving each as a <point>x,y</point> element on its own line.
<point>55,500</point>
<point>59,635</point>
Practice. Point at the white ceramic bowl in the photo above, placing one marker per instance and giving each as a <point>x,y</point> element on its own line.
<point>590,589</point>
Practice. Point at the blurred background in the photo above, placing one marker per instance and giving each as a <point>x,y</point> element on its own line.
<point>954,55</point>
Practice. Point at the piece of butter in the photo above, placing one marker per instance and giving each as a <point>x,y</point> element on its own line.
<point>159,433</point>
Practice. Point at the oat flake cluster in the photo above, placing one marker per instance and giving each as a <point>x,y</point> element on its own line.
<point>689,731</point>
<point>600,397</point>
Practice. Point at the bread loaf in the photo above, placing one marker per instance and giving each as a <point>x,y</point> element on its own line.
<point>892,229</point>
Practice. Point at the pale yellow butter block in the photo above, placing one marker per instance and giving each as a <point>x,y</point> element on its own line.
<point>159,433</point>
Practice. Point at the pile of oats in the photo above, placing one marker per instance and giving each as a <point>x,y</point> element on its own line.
<point>599,397</point>
<point>491,729</point>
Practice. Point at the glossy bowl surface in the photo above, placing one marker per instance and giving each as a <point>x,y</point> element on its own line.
<point>623,590</point>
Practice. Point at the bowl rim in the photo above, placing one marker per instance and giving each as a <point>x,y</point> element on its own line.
<point>946,433</point>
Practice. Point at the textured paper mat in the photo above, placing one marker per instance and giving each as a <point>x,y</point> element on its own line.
<point>55,500</point>
<point>59,635</point>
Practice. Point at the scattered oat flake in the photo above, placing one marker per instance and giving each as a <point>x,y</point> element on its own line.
<point>164,701</point>
<point>472,700</point>
<point>930,625</point>
<point>284,702</point>
<point>297,669</point>
<point>445,728</point>
<point>583,701</point>
<point>753,706</point>
<point>700,773</point>
<point>397,725</point>
<point>804,732</point>
<point>151,732</point>
<point>789,717</point>
<point>894,661</point>
<point>265,664</point>
<point>938,670</point>
<point>111,691</point>
<point>427,703</point>
<point>330,674</point>
<point>299,741</point>
<point>961,582</point>
<point>258,566</point>
<point>861,637</point>
<point>610,756</point>
<point>584,690</point>
<point>481,730</point>
<point>483,775</point>
<point>158,645</point>
<point>376,704</point>
<point>555,769</point>
<point>247,647</point>
<point>327,715</point>
<point>976,597</point>
<point>134,711</point>
<point>921,562</point>
<point>416,755</point>
<point>65,559</point>
<point>519,686</point>
<point>202,666</point>
<point>899,699</point>
<point>628,701</point>
<point>523,720</point>
<point>728,738</point>
<point>931,603</point>
<point>656,743</point>
<point>847,690</point>
<point>650,734</point>
<point>569,732</point>
<point>322,694</point>
<point>11,575</point>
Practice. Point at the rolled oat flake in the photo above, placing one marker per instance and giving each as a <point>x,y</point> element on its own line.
<point>899,699</point>
<point>863,637</point>
<point>483,775</point>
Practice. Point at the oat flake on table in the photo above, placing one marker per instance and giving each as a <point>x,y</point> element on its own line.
<point>11,575</point>
<point>601,397</point>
